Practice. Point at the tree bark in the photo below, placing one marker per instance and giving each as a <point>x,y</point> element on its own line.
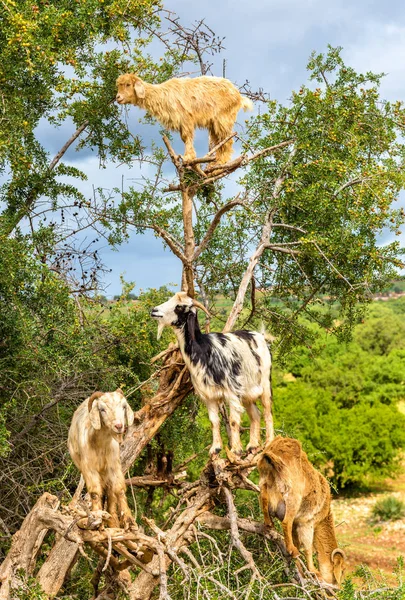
<point>189,241</point>
<point>24,547</point>
<point>60,560</point>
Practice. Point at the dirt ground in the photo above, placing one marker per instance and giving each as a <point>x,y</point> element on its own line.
<point>376,545</point>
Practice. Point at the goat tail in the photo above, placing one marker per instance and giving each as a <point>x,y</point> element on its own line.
<point>247,104</point>
<point>273,461</point>
<point>267,336</point>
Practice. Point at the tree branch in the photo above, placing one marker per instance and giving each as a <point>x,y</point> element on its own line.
<point>261,247</point>
<point>282,249</point>
<point>32,196</point>
<point>64,148</point>
<point>173,244</point>
<point>214,224</point>
<point>346,185</point>
<point>236,541</point>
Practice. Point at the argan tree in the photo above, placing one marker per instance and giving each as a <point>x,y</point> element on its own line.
<point>317,181</point>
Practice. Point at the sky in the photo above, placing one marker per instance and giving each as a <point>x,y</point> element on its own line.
<point>267,42</point>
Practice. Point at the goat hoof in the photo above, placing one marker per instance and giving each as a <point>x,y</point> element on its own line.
<point>233,455</point>
<point>293,552</point>
<point>252,449</point>
<point>317,574</point>
<point>214,453</point>
<point>129,523</point>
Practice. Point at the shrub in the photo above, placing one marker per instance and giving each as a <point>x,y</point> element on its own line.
<point>388,509</point>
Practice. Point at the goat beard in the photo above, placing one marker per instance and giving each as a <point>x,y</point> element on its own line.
<point>160,329</point>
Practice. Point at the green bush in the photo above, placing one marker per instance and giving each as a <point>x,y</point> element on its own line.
<point>341,400</point>
<point>388,509</point>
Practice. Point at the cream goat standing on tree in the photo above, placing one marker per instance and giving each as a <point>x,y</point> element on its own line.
<point>184,104</point>
<point>96,432</point>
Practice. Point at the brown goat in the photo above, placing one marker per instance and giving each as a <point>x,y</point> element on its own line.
<point>184,104</point>
<point>296,493</point>
<point>97,429</point>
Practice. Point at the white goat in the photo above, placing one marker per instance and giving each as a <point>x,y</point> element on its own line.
<point>97,429</point>
<point>184,104</point>
<point>223,366</point>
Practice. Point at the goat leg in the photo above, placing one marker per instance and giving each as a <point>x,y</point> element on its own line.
<point>264,501</point>
<point>287,530</point>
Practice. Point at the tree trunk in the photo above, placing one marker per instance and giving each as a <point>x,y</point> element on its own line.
<point>60,560</point>
<point>189,241</point>
<point>25,545</point>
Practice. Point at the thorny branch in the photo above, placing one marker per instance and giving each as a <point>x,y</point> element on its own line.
<point>126,549</point>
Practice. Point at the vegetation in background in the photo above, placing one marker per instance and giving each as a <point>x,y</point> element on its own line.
<point>388,509</point>
<point>327,197</point>
<point>349,394</point>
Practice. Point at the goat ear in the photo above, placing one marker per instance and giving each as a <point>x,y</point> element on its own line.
<point>139,89</point>
<point>130,415</point>
<point>192,323</point>
<point>119,391</point>
<point>94,416</point>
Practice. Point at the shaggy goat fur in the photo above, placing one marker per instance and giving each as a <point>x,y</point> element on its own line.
<point>184,104</point>
<point>96,431</point>
<point>296,493</point>
<point>232,367</point>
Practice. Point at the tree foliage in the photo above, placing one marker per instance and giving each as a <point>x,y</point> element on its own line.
<point>349,398</point>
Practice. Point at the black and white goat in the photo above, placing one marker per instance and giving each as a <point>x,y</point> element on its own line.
<point>234,367</point>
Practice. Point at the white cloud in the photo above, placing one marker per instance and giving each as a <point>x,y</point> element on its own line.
<point>381,49</point>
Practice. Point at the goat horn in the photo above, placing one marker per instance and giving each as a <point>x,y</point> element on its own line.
<point>94,397</point>
<point>338,551</point>
<point>199,305</point>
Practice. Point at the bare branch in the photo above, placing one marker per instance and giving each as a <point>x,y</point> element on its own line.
<point>173,244</point>
<point>348,184</point>
<point>214,224</point>
<point>219,145</point>
<point>295,228</point>
<point>282,249</point>
<point>261,247</point>
<point>242,160</point>
<point>236,541</point>
<point>175,158</point>
<point>268,150</point>
<point>254,259</point>
<point>66,146</point>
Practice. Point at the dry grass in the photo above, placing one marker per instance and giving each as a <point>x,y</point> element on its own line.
<point>378,546</point>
